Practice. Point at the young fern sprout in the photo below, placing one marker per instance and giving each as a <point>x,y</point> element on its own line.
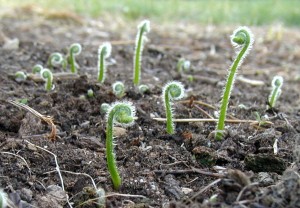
<point>143,88</point>
<point>103,53</point>
<point>104,107</point>
<point>20,76</point>
<point>3,199</point>
<point>37,69</point>
<point>277,83</point>
<point>90,93</point>
<point>242,39</point>
<point>121,113</point>
<point>143,29</point>
<point>54,60</point>
<point>74,50</point>
<point>47,75</point>
<point>172,91</point>
<point>183,65</point>
<point>118,89</point>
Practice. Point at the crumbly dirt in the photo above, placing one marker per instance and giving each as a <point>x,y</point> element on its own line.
<point>187,169</point>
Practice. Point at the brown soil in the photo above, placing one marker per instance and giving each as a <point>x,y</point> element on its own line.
<point>187,169</point>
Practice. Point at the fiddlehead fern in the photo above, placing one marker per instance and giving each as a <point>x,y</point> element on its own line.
<point>242,39</point>
<point>74,50</point>
<point>121,113</point>
<point>277,83</point>
<point>55,59</point>
<point>172,91</point>
<point>118,89</point>
<point>103,53</point>
<point>47,75</point>
<point>143,29</point>
<point>37,69</point>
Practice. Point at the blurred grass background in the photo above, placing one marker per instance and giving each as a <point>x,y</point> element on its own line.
<point>219,12</point>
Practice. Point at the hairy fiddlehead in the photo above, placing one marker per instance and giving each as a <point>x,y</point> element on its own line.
<point>172,91</point>
<point>277,82</point>
<point>47,75</point>
<point>143,29</point>
<point>242,39</point>
<point>55,59</point>
<point>183,65</point>
<point>121,113</point>
<point>74,50</point>
<point>20,76</point>
<point>103,53</point>
<point>118,89</point>
<point>37,69</point>
<point>104,107</point>
<point>143,89</point>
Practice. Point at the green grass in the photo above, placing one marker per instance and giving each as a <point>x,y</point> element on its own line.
<point>249,12</point>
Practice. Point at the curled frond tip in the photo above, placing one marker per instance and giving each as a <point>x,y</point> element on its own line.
<point>75,48</point>
<point>106,49</point>
<point>175,90</point>
<point>241,36</point>
<point>124,113</point>
<point>277,81</point>
<point>145,26</point>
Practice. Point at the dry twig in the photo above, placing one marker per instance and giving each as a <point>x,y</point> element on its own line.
<point>49,120</point>
<point>213,120</point>
<point>57,168</point>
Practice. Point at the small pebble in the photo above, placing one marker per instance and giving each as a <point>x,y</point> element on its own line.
<point>186,190</point>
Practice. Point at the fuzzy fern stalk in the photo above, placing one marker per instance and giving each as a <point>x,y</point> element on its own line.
<point>74,50</point>
<point>3,199</point>
<point>47,75</point>
<point>121,113</point>
<point>118,89</point>
<point>37,69</point>
<point>242,39</point>
<point>172,91</point>
<point>277,83</point>
<point>54,60</point>
<point>103,53</point>
<point>143,29</point>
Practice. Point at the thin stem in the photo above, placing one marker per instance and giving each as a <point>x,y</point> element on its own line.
<point>102,68</point>
<point>143,28</point>
<point>170,125</point>
<point>104,52</point>
<point>137,60</point>
<point>274,96</point>
<point>72,63</point>
<point>111,162</point>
